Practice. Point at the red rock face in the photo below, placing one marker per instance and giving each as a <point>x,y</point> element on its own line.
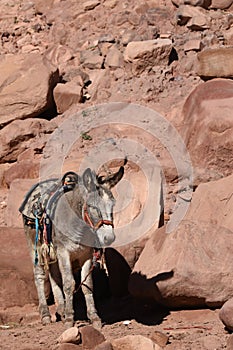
<point>208,127</point>
<point>198,252</point>
<point>17,286</point>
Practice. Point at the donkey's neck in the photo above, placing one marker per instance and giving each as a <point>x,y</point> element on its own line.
<point>76,199</point>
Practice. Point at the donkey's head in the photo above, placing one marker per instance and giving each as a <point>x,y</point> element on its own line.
<point>99,203</point>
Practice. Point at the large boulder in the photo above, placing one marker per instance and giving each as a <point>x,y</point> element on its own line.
<point>192,265</point>
<point>208,127</point>
<point>215,63</point>
<point>17,282</point>
<point>26,84</point>
<point>148,53</point>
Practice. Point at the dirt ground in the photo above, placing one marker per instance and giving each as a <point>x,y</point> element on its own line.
<point>186,329</point>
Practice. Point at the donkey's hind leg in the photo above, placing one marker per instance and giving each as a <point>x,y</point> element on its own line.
<point>40,277</point>
<point>56,284</point>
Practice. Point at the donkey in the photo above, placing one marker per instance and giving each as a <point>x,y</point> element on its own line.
<point>82,219</point>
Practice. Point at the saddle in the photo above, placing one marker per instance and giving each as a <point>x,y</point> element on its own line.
<point>38,209</point>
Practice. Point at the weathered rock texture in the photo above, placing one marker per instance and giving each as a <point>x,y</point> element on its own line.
<point>26,86</point>
<point>17,286</point>
<point>215,62</point>
<point>148,53</point>
<point>208,127</point>
<point>16,137</point>
<point>198,253</point>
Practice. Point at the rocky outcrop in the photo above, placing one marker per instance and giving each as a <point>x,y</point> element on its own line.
<point>26,84</point>
<point>198,253</point>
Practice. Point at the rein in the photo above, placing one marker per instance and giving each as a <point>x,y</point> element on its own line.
<point>101,222</point>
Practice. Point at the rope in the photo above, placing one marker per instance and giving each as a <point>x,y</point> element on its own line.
<point>36,240</point>
<point>83,282</point>
<point>96,256</point>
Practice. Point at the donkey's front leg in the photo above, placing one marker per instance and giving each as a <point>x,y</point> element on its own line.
<point>87,288</point>
<point>39,275</point>
<point>68,283</point>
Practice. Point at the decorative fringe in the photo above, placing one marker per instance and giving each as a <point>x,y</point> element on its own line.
<point>47,255</point>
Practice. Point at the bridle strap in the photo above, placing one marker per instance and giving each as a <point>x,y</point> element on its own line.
<point>87,219</point>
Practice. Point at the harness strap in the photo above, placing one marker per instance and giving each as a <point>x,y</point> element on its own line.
<point>87,219</point>
<point>36,241</point>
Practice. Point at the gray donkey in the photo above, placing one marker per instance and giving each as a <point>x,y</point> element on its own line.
<point>62,226</point>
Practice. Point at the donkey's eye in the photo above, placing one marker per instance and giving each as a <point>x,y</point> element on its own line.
<point>94,211</point>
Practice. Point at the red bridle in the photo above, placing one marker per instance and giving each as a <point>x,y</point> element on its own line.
<point>87,219</point>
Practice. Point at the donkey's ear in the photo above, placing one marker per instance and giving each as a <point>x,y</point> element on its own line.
<point>111,180</point>
<point>89,180</point>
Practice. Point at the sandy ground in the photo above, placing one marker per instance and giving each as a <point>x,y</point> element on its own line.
<point>186,329</point>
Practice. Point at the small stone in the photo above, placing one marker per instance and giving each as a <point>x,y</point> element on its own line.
<point>71,335</point>
<point>127,37</point>
<point>148,53</point>
<point>110,3</point>
<point>159,338</point>
<point>192,45</point>
<point>91,59</point>
<point>91,337</point>
<point>191,15</point>
<point>108,38</point>
<point>90,5</point>
<point>114,58</point>
<point>198,23</point>
<point>65,95</point>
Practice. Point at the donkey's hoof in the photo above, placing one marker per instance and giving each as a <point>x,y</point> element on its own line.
<point>96,323</point>
<point>46,320</point>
